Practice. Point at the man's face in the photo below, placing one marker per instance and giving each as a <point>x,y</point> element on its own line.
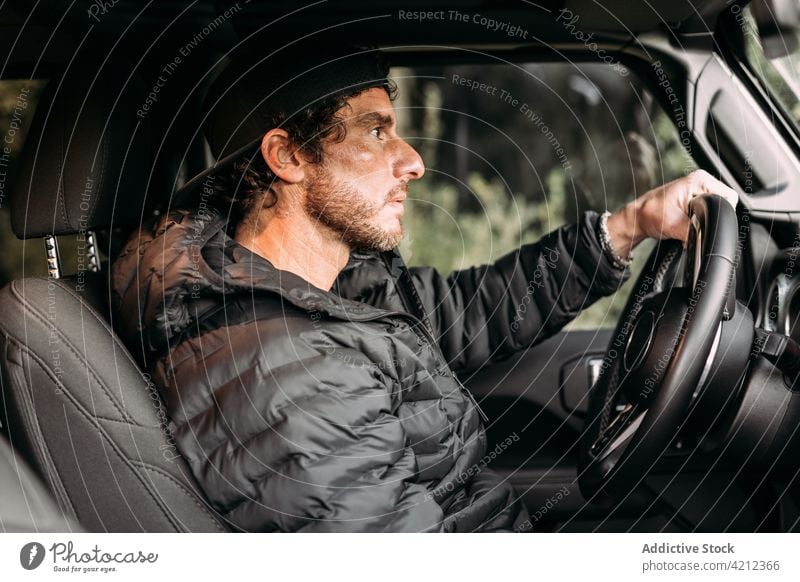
<point>359,188</point>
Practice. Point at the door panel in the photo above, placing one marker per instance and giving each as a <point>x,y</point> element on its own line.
<point>539,396</point>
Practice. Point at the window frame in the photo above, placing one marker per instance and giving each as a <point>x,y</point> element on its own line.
<point>729,42</point>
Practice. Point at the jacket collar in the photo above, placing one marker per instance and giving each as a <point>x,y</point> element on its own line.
<point>243,270</point>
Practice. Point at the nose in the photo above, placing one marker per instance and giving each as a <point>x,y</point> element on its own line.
<point>409,164</point>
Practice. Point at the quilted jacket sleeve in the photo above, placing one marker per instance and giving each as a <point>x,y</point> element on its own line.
<point>312,435</point>
<point>492,311</point>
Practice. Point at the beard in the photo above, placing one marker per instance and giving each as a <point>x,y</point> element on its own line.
<point>345,211</point>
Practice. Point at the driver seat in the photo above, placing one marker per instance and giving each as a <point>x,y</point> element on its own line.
<point>74,401</point>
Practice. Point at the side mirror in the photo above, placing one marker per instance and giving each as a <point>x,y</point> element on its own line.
<point>778,24</point>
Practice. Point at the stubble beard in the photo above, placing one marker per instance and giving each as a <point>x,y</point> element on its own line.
<point>343,210</point>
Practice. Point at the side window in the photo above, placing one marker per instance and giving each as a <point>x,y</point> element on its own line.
<point>775,61</point>
<point>513,152</point>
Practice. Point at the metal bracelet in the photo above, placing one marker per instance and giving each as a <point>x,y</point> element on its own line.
<point>608,248</point>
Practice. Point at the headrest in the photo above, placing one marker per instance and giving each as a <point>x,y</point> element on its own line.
<point>86,160</point>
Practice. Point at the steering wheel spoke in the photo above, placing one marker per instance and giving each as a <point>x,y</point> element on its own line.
<point>618,430</point>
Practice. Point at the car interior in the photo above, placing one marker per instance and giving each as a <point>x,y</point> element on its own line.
<point>611,438</point>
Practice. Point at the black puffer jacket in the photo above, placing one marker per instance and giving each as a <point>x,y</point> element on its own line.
<point>305,410</point>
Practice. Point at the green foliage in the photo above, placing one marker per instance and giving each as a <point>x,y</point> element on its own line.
<point>442,235</point>
<point>673,160</point>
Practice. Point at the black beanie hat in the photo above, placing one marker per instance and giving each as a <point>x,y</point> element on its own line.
<point>252,88</point>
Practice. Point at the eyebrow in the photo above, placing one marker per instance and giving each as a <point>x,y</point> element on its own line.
<point>374,118</point>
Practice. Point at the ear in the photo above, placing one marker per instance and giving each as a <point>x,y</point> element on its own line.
<point>282,157</point>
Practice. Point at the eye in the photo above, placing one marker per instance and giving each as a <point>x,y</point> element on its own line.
<point>377,132</point>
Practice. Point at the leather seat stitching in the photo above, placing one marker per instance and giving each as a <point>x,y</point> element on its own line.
<point>105,390</point>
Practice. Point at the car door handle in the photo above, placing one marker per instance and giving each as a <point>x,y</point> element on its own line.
<point>577,378</point>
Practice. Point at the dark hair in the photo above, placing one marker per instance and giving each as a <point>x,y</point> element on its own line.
<point>248,180</point>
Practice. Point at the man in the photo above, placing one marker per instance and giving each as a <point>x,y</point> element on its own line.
<point>308,374</point>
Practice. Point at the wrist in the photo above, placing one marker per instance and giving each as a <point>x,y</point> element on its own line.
<point>624,229</point>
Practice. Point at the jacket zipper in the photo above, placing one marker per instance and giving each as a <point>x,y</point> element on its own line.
<point>435,346</point>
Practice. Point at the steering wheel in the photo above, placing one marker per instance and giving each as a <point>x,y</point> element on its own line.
<point>660,353</point>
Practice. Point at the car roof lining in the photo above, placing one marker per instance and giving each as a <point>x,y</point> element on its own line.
<point>360,22</point>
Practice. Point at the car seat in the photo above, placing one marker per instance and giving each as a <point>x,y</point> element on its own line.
<point>74,402</point>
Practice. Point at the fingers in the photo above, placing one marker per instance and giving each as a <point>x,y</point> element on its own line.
<point>702,182</point>
<point>664,212</point>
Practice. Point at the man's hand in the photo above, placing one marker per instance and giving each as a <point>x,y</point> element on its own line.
<point>663,212</point>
